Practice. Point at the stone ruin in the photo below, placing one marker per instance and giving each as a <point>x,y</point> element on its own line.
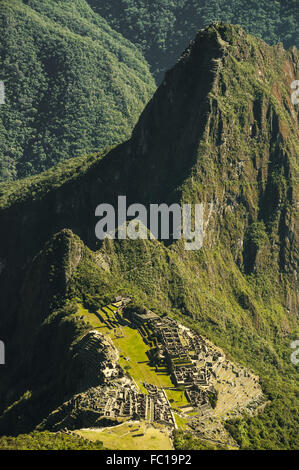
<point>118,400</point>
<point>199,368</point>
<point>196,366</point>
<point>97,357</point>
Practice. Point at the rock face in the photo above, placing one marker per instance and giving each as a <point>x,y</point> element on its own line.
<point>42,288</point>
<point>39,331</point>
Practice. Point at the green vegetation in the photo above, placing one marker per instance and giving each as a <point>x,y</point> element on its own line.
<point>133,347</point>
<point>274,429</point>
<point>180,422</point>
<point>72,85</point>
<point>251,340</point>
<point>185,441</point>
<point>33,187</point>
<point>163,28</point>
<point>131,436</point>
<point>177,398</point>
<point>133,352</point>
<point>48,441</point>
<point>255,239</point>
<point>76,86</point>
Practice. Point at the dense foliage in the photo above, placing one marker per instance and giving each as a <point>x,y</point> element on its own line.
<point>47,441</point>
<point>163,28</point>
<point>274,429</point>
<point>186,441</point>
<point>76,86</point>
<point>72,85</point>
<point>34,186</point>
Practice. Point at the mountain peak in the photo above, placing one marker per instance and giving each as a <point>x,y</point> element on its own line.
<point>220,130</point>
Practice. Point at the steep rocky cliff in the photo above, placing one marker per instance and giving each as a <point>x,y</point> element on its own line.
<point>221,130</point>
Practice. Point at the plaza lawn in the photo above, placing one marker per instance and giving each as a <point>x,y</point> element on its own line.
<point>177,398</point>
<point>94,319</point>
<point>130,436</point>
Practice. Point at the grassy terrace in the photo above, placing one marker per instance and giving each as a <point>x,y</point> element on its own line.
<point>130,436</point>
<point>177,398</point>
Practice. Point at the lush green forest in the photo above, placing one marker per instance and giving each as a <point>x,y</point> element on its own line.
<point>186,441</point>
<point>47,441</point>
<point>72,84</point>
<point>164,28</point>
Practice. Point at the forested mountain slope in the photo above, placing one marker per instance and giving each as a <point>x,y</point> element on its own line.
<point>162,28</point>
<point>72,84</point>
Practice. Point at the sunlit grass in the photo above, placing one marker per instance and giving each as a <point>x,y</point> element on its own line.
<point>131,436</point>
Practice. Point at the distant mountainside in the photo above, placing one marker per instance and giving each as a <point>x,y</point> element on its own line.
<point>72,84</point>
<point>221,130</point>
<point>162,28</point>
